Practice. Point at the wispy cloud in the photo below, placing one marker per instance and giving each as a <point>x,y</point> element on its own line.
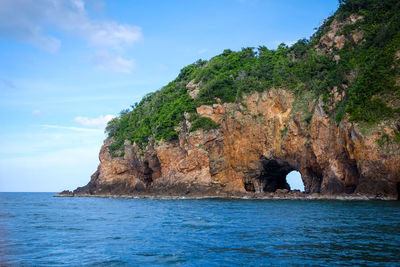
<point>29,21</point>
<point>48,157</point>
<point>45,138</point>
<point>99,122</point>
<point>70,128</point>
<point>106,61</point>
<point>51,171</point>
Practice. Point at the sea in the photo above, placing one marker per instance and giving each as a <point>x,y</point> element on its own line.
<point>37,229</point>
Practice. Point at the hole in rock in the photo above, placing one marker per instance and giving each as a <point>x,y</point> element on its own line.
<point>295,181</point>
<point>271,176</point>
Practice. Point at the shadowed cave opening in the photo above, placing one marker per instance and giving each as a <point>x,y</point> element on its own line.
<point>273,175</point>
<point>148,173</point>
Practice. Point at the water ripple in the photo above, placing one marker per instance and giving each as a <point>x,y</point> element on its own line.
<point>37,229</point>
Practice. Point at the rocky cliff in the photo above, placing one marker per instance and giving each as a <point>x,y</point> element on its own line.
<point>343,138</point>
<point>258,143</point>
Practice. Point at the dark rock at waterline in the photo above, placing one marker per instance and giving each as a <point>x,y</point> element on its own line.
<point>65,193</point>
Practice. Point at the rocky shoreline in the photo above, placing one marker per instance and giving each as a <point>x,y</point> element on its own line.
<point>281,195</point>
<point>249,156</point>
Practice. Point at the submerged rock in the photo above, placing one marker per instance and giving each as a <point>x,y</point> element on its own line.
<point>65,193</point>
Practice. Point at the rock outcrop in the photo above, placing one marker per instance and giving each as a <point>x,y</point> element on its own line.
<point>334,39</point>
<point>258,142</point>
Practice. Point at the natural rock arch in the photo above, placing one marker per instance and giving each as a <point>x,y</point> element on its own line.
<point>270,177</point>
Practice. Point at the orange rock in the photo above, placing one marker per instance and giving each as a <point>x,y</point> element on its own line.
<point>254,148</point>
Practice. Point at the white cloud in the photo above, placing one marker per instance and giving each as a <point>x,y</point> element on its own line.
<point>29,20</point>
<point>114,63</point>
<point>99,122</point>
<point>110,34</point>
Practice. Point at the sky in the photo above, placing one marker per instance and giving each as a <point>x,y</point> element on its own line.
<point>69,66</point>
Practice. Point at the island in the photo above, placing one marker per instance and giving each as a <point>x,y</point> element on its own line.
<point>237,124</point>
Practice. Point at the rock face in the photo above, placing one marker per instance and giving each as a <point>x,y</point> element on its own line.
<point>259,141</point>
<point>333,39</point>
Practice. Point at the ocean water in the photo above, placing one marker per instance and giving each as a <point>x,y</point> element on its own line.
<point>37,229</point>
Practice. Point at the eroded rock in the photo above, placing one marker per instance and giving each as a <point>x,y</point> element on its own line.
<point>193,89</point>
<point>333,38</point>
<point>255,147</point>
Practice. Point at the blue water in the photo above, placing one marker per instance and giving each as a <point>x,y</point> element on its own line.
<point>37,229</point>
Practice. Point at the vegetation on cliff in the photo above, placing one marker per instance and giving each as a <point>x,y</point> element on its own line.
<point>365,72</point>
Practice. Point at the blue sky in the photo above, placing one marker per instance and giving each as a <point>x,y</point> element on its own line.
<point>68,66</point>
